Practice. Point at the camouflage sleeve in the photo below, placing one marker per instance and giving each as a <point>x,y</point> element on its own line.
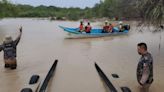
<point>18,38</point>
<point>146,72</point>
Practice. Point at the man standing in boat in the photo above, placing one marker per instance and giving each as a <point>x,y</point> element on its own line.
<point>9,47</point>
<point>145,66</point>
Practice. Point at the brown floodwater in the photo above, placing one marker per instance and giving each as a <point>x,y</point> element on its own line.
<point>43,41</point>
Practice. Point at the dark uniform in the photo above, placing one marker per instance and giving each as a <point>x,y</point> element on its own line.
<point>10,53</point>
<point>145,69</point>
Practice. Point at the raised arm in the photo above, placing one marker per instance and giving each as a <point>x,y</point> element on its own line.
<point>19,36</point>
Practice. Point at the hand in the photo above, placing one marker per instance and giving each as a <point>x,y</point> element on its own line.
<point>20,29</point>
<point>141,82</point>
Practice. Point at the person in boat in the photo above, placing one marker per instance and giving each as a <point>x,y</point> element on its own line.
<point>121,26</point>
<point>81,27</point>
<point>9,48</point>
<point>161,26</point>
<point>126,27</point>
<point>145,66</point>
<point>106,27</point>
<point>110,29</point>
<point>88,28</point>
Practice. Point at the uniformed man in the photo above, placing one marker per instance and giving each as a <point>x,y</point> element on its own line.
<point>145,66</point>
<point>9,48</point>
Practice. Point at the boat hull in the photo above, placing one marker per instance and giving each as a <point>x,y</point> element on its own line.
<point>74,33</point>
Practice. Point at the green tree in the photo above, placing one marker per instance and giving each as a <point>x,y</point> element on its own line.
<point>152,11</point>
<point>7,9</point>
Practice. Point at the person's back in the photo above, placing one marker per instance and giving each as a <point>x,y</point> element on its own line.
<point>88,28</point>
<point>105,27</point>
<point>81,27</point>
<point>110,28</point>
<point>9,48</point>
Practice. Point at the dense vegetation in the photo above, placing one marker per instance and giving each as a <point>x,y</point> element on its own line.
<point>8,9</point>
<point>151,11</point>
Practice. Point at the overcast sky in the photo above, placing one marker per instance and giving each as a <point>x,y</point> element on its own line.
<point>59,3</point>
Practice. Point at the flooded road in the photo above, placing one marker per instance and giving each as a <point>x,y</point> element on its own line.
<point>43,41</point>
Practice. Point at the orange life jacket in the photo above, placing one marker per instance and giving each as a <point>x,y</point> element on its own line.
<point>88,29</point>
<point>81,27</point>
<point>106,27</point>
<point>110,27</point>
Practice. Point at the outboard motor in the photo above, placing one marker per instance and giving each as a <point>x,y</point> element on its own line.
<point>127,27</point>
